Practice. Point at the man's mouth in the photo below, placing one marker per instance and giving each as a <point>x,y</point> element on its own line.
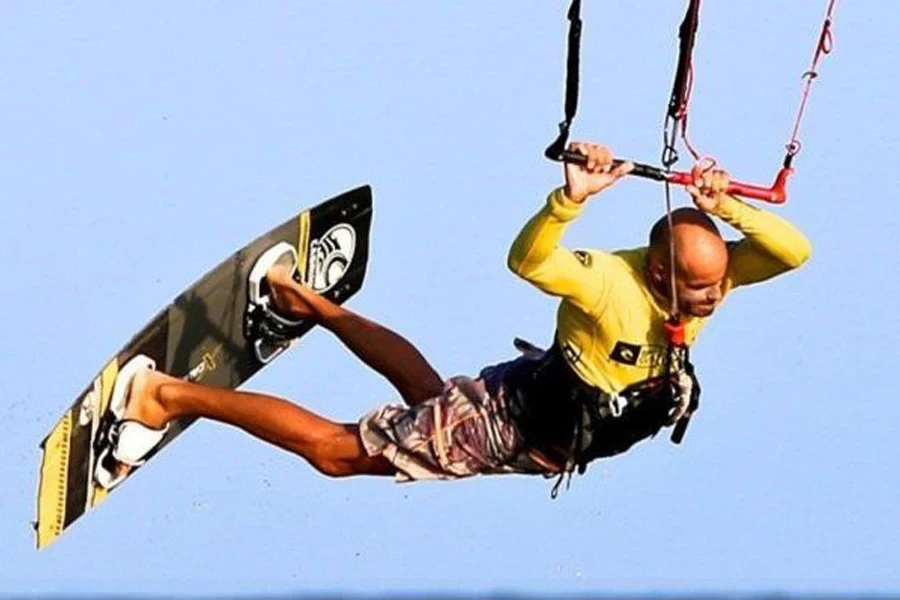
<point>705,309</point>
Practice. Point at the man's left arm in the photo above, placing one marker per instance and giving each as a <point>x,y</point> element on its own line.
<point>771,244</point>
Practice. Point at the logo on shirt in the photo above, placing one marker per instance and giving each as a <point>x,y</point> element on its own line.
<point>635,355</point>
<point>583,257</point>
<point>626,353</point>
<point>572,354</point>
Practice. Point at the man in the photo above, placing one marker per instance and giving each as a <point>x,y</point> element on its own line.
<point>602,387</point>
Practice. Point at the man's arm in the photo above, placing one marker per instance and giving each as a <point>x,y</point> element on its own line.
<point>770,247</point>
<point>536,254</point>
<point>537,257</point>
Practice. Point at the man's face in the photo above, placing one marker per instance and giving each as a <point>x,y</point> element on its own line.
<point>701,262</point>
<point>700,288</point>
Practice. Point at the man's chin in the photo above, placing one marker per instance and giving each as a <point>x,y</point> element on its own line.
<point>703,311</point>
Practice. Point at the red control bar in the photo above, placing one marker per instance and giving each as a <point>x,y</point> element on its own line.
<point>776,194</point>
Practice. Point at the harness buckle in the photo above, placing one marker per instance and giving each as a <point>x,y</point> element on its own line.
<point>617,405</point>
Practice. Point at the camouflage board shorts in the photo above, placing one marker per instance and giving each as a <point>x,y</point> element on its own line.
<point>465,431</point>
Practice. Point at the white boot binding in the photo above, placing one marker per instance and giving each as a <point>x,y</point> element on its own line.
<point>127,441</point>
<point>269,332</point>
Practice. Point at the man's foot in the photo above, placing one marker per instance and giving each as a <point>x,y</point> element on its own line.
<point>291,299</point>
<point>144,405</point>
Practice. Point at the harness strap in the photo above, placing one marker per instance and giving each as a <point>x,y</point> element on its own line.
<point>560,414</point>
<point>686,383</point>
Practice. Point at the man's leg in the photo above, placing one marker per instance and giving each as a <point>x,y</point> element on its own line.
<point>332,448</point>
<point>381,349</point>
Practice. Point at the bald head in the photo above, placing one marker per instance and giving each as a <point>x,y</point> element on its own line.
<point>701,257</point>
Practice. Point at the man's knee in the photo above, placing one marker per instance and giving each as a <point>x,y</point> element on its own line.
<point>348,467</point>
<point>342,455</point>
<point>334,468</point>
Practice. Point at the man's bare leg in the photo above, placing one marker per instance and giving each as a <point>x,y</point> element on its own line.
<point>381,349</point>
<point>332,448</point>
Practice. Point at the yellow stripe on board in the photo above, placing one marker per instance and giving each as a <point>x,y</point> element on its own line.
<point>303,245</point>
<point>107,380</point>
<point>52,486</point>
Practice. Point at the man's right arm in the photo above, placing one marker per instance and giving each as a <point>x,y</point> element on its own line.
<point>537,256</point>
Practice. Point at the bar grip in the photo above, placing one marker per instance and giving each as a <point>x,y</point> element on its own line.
<point>640,169</point>
<point>777,194</point>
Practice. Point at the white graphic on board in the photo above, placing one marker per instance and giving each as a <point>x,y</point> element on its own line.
<point>330,257</point>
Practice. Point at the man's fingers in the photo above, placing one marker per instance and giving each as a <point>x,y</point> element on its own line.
<point>709,181</point>
<point>600,154</point>
<point>604,157</point>
<point>580,149</point>
<point>598,158</point>
<point>697,175</point>
<point>720,182</point>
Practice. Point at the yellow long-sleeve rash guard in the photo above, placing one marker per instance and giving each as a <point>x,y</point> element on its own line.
<point>609,325</point>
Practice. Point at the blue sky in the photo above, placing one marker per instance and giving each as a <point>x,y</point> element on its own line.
<point>143,143</point>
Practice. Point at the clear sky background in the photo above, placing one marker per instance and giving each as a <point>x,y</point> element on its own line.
<point>142,143</point>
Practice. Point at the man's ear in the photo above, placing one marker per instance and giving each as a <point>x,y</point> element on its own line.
<point>657,271</point>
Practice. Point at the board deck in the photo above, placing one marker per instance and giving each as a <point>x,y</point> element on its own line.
<point>200,336</point>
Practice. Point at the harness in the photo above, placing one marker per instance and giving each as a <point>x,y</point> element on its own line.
<point>574,422</point>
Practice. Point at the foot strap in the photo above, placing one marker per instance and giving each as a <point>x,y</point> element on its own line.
<point>269,332</point>
<point>133,442</point>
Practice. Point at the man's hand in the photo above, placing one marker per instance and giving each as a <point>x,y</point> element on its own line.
<point>596,175</point>
<point>709,187</point>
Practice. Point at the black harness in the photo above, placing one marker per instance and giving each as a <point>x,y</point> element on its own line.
<point>573,422</point>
